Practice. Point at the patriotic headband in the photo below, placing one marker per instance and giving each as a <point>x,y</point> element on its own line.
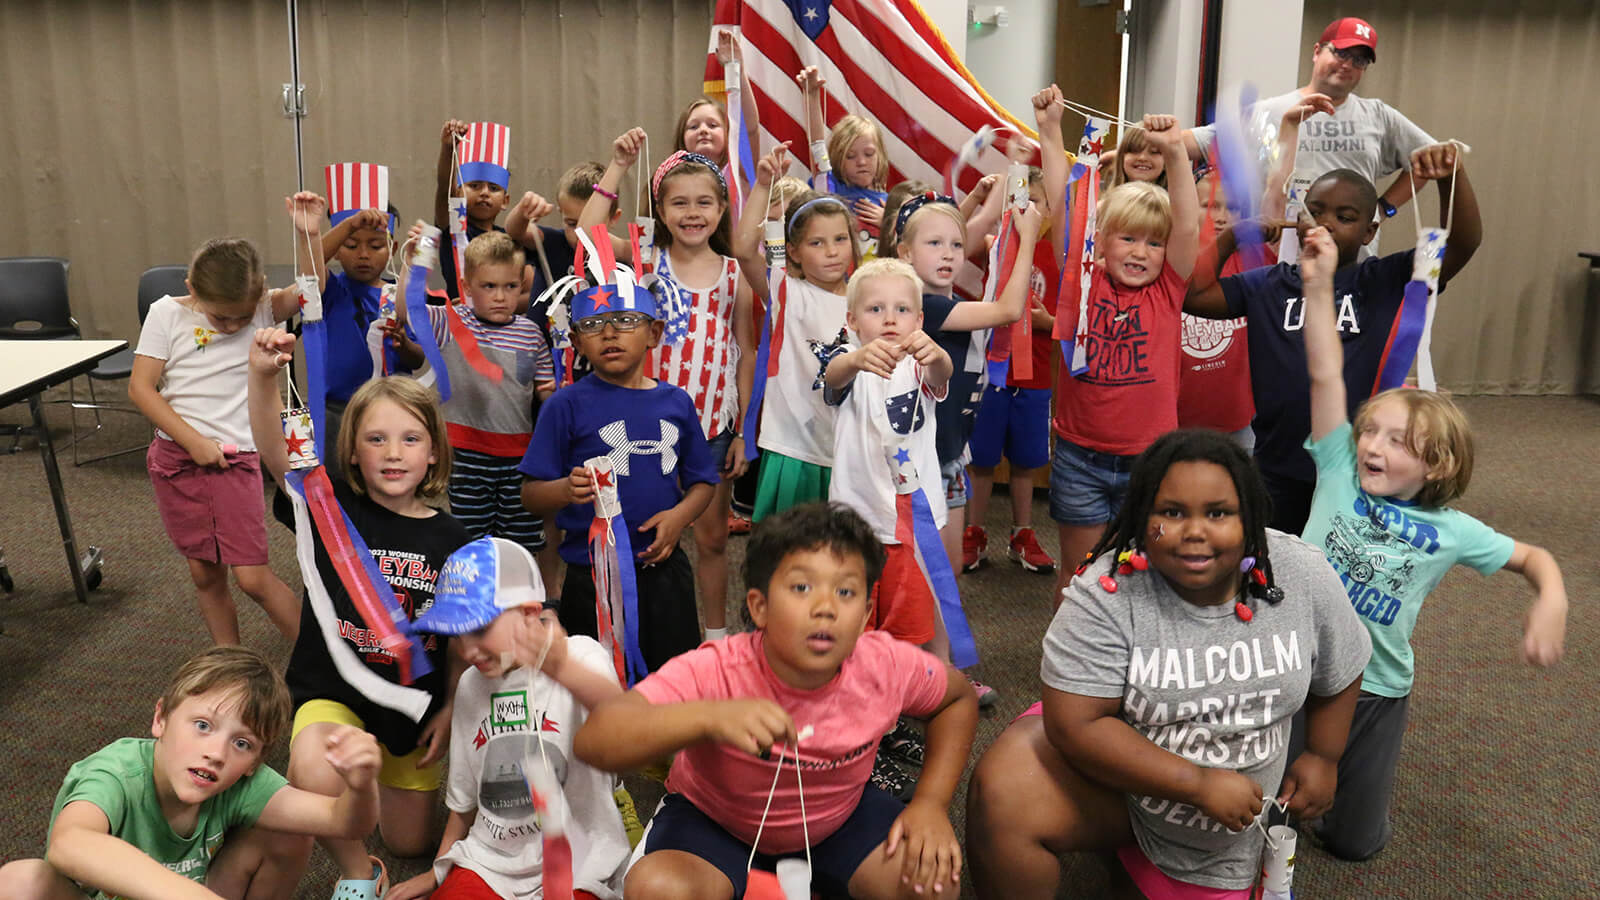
<point>353,187</point>
<point>914,203</point>
<point>826,198</point>
<point>677,159</point>
<point>484,154</point>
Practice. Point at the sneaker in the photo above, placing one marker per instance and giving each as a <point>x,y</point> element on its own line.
<point>630,815</point>
<point>1025,551</point>
<point>974,542</point>
<point>891,779</point>
<point>738,524</point>
<point>905,743</point>
<point>987,696</point>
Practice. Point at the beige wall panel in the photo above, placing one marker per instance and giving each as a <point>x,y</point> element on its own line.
<point>135,130</point>
<point>1518,82</point>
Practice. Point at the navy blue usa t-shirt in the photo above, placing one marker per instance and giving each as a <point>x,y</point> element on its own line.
<point>652,435</point>
<point>1367,299</point>
<point>959,409</point>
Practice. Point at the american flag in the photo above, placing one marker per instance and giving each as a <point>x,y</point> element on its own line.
<point>355,186</point>
<point>882,59</point>
<point>484,153</point>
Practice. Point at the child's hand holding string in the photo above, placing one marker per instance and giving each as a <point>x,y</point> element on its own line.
<point>921,348</point>
<point>879,357</point>
<point>1435,161</point>
<point>771,166</point>
<point>531,208</point>
<point>453,129</point>
<point>1318,255</point>
<point>1047,109</point>
<point>1230,799</point>
<point>1309,785</point>
<point>930,853</point>
<point>810,80</point>
<point>353,753</point>
<point>727,47</point>
<point>752,725</point>
<point>580,488</point>
<point>306,210</point>
<point>626,148</point>
<point>271,350</point>
<point>375,219</point>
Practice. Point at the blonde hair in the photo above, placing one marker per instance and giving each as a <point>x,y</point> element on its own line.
<point>1137,207</point>
<point>881,268</point>
<point>1437,433</point>
<point>1133,141</point>
<point>227,272</point>
<point>914,222</point>
<point>492,248</point>
<point>683,125</point>
<point>263,698</point>
<point>578,182</point>
<point>888,243</point>
<point>846,131</point>
<point>405,393</point>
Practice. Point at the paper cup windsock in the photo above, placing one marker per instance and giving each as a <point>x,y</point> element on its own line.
<point>356,186</point>
<point>485,154</point>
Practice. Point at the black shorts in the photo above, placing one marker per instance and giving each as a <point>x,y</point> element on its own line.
<point>680,825</point>
<point>669,622</point>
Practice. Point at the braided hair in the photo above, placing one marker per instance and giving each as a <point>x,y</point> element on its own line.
<point>1126,532</point>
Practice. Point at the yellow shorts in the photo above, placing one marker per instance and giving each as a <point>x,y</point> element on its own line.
<point>396,771</point>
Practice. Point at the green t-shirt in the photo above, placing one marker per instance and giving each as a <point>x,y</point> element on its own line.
<point>119,780</point>
<point>1390,554</point>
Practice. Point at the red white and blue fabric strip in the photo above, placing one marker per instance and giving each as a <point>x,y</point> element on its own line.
<point>616,593</point>
<point>1237,166</point>
<point>458,243</point>
<point>411,702</point>
<point>1411,334</point>
<point>417,311</point>
<point>314,338</point>
<point>914,527</point>
<point>766,357</point>
<point>353,187</point>
<point>1077,263</point>
<point>741,160</point>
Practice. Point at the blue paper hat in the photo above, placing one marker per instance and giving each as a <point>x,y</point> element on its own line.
<point>479,582</point>
<point>607,298</point>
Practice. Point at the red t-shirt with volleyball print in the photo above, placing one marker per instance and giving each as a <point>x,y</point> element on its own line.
<point>1214,377</point>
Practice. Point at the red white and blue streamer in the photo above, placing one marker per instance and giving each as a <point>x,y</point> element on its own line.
<point>1077,264</point>
<point>616,593</point>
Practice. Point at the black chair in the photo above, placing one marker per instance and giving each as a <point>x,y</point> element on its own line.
<point>33,307</point>
<point>155,283</point>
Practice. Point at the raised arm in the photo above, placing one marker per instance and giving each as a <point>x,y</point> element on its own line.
<point>270,351</point>
<point>311,254</point>
<point>1053,160</point>
<point>811,85</point>
<point>747,237</point>
<point>729,50</point>
<point>520,222</point>
<point>628,732</point>
<point>625,152</point>
<point>1012,302</point>
<point>1183,243</point>
<point>1274,197</point>
<point>452,130</point>
<point>1324,354</point>
<point>1444,163</point>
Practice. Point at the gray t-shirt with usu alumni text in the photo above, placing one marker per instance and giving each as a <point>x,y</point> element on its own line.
<point>1207,686</point>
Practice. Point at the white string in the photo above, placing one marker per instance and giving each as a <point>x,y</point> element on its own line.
<point>1261,820</point>
<point>544,757</point>
<point>1450,201</point>
<point>805,828</point>
<point>1089,111</point>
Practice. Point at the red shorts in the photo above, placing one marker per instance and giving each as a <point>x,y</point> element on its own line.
<point>215,515</point>
<point>902,599</point>
<point>464,884</point>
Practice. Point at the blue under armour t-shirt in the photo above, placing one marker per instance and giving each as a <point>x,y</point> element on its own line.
<point>652,436</point>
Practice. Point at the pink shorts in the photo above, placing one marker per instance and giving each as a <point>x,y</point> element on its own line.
<point>215,515</point>
<point>1158,885</point>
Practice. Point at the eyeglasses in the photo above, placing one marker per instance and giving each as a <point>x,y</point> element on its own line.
<point>1354,57</point>
<point>623,321</point>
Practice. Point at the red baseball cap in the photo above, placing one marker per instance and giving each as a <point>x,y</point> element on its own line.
<point>1351,32</point>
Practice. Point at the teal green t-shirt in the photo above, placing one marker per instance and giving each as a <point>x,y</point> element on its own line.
<point>119,780</point>
<point>1390,554</point>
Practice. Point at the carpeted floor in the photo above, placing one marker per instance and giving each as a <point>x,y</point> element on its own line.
<point>1498,790</point>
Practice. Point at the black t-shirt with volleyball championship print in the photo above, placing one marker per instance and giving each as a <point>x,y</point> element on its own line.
<point>409,553</point>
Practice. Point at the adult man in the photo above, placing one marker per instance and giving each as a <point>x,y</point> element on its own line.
<point>1363,134</point>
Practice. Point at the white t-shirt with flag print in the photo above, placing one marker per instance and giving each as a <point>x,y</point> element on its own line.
<point>794,420</point>
<point>879,417</point>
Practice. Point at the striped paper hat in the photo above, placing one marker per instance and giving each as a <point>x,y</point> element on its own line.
<point>356,186</point>
<point>485,154</point>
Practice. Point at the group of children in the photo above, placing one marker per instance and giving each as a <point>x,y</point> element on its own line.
<point>614,386</point>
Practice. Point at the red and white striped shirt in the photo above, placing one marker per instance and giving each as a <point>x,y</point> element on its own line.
<point>705,362</point>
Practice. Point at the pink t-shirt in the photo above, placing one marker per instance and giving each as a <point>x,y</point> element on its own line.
<point>881,680</point>
<point>1129,395</point>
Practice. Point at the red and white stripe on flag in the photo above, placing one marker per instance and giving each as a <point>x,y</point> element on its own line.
<point>488,142</point>
<point>882,59</point>
<point>353,186</point>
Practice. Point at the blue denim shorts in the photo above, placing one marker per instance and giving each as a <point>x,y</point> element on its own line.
<point>1086,486</point>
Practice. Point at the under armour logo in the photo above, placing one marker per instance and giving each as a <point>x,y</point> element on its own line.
<point>616,437</point>
<point>1363,31</point>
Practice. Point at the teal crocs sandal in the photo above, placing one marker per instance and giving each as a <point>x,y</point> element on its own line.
<point>364,889</point>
